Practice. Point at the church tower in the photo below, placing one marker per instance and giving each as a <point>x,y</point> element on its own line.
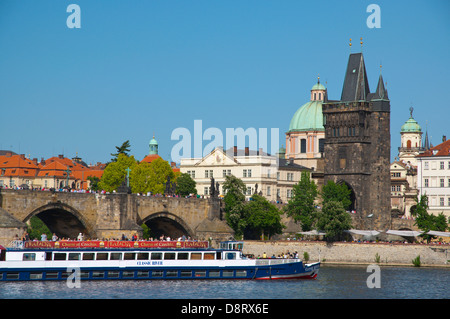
<point>411,140</point>
<point>357,145</point>
<point>153,145</point>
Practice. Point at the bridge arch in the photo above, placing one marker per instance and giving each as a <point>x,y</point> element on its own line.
<point>63,220</point>
<point>167,224</point>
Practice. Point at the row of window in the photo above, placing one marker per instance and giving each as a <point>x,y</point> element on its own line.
<point>426,182</point>
<point>426,165</point>
<point>350,131</point>
<point>113,274</point>
<point>131,256</point>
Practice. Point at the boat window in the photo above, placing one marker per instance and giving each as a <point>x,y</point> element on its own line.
<point>218,255</point>
<point>102,256</point>
<point>196,256</point>
<point>59,256</point>
<point>230,255</point>
<point>128,274</point>
<point>36,275</point>
<point>28,256</point>
<point>156,256</point>
<point>98,274</point>
<point>129,256</point>
<point>169,256</point>
<point>142,274</point>
<point>183,256</point>
<point>171,273</point>
<point>88,256</point>
<point>113,274</point>
<point>227,273</point>
<point>74,256</point>
<point>157,273</point>
<point>200,273</point>
<point>12,275</point>
<point>185,273</point>
<point>48,255</point>
<point>51,275</point>
<point>115,256</point>
<point>208,256</point>
<point>142,256</point>
<point>84,274</point>
<point>214,273</point>
<point>241,273</point>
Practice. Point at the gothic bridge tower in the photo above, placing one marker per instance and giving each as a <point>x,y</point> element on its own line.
<point>357,145</point>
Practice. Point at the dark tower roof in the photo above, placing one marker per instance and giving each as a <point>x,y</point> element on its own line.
<point>356,85</point>
<point>381,92</point>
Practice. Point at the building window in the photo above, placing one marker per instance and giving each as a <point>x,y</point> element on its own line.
<point>249,173</point>
<point>393,188</point>
<point>303,145</point>
<point>206,190</point>
<point>448,201</point>
<point>441,165</point>
<point>442,182</point>
<point>449,165</point>
<point>441,201</point>
<point>321,145</point>
<point>268,191</point>
<point>426,165</point>
<point>289,193</point>
<point>224,173</point>
<point>278,176</point>
<point>244,173</point>
<point>206,173</point>
<point>399,188</point>
<point>425,182</point>
<point>449,182</point>
<point>249,190</point>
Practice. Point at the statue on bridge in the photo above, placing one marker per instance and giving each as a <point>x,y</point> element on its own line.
<point>170,187</point>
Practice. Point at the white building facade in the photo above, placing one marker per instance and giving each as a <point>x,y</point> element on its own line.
<point>269,175</point>
<point>433,177</point>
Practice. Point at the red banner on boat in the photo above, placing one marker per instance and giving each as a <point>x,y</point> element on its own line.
<point>116,244</point>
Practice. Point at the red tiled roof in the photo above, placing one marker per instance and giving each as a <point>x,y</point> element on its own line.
<point>442,149</point>
<point>150,158</point>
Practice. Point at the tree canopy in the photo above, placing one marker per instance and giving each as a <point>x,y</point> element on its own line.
<point>263,217</point>
<point>426,221</point>
<point>114,174</point>
<point>336,192</point>
<point>123,149</point>
<point>301,206</point>
<point>333,220</point>
<point>185,185</point>
<point>234,199</point>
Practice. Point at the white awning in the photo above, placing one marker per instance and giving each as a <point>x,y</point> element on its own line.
<point>312,232</point>
<point>405,233</point>
<point>438,233</point>
<point>363,232</point>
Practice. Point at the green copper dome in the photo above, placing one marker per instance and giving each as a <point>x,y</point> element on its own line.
<point>411,125</point>
<point>153,146</point>
<point>309,117</point>
<point>318,86</point>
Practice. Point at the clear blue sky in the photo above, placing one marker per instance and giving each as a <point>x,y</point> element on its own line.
<point>141,67</point>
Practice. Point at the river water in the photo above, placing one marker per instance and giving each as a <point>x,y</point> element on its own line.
<point>333,282</point>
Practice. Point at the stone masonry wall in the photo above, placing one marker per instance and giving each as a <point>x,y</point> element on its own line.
<point>357,253</point>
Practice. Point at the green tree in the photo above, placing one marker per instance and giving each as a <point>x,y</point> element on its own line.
<point>123,149</point>
<point>263,217</point>
<point>301,206</point>
<point>140,178</point>
<point>185,185</point>
<point>336,192</point>
<point>160,170</point>
<point>115,173</point>
<point>426,221</point>
<point>333,220</point>
<point>37,228</point>
<point>94,180</point>
<point>234,204</point>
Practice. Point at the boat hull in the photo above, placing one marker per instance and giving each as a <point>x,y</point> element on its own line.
<point>292,270</point>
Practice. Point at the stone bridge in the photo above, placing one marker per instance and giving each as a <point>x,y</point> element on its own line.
<point>110,215</point>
